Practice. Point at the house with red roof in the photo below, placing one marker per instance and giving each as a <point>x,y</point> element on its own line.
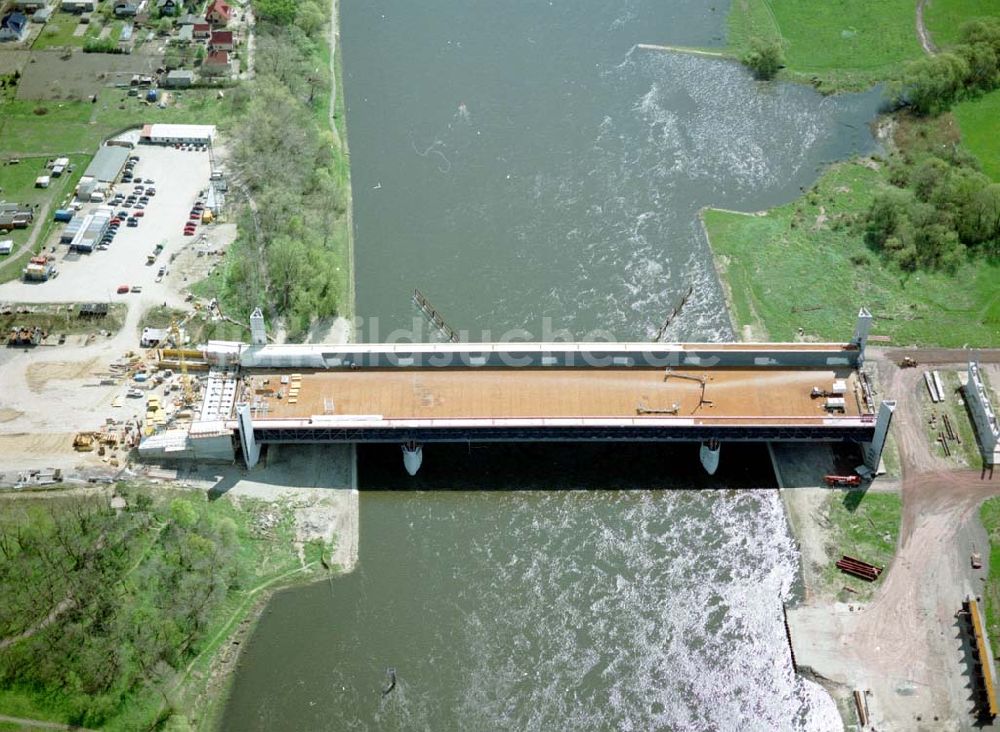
<point>216,63</point>
<point>221,40</point>
<point>218,12</point>
<point>202,30</point>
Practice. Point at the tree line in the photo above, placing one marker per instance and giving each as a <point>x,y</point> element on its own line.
<point>942,209</point>
<point>932,84</point>
<point>99,605</point>
<point>290,257</point>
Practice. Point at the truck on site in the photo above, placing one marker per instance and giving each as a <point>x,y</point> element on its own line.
<point>39,269</point>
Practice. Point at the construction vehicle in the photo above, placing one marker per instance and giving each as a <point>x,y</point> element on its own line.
<point>83,442</point>
<point>975,559</point>
<point>907,362</point>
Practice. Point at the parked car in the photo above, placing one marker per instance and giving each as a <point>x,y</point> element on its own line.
<point>122,289</point>
<point>139,206</point>
<point>150,191</point>
<point>139,213</point>
<point>143,199</point>
<point>136,288</point>
<point>133,222</point>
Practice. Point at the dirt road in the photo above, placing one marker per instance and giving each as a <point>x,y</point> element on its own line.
<point>922,33</point>
<point>907,645</point>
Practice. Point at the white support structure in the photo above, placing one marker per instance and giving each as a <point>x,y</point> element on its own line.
<point>861,330</point>
<point>873,449</point>
<point>258,333</point>
<point>983,415</point>
<point>251,450</point>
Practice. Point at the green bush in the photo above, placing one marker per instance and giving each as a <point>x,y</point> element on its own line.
<point>931,85</point>
<point>764,58</point>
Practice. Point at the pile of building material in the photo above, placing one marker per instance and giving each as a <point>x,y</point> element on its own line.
<point>857,568</point>
<point>934,386</point>
<point>24,336</point>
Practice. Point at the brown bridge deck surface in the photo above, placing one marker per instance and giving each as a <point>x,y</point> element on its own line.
<point>533,393</point>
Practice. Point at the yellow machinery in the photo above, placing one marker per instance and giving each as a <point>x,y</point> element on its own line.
<point>187,387</point>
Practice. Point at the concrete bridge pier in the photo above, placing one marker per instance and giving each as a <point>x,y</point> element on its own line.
<point>251,448</point>
<point>413,456</point>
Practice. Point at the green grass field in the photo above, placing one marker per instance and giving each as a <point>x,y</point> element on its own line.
<point>979,120</point>
<point>944,18</point>
<point>866,527</point>
<point>848,44</point>
<point>58,32</point>
<point>791,268</point>
<point>79,127</point>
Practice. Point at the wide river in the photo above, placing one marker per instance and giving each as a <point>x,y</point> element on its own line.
<point>527,166</point>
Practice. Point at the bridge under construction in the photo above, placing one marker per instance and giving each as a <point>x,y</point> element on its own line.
<point>414,393</point>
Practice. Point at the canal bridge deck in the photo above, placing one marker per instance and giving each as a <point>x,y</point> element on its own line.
<point>731,397</point>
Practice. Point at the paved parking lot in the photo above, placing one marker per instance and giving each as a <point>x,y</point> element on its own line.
<point>179,175</point>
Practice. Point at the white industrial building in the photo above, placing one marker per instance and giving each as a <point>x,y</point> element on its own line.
<point>92,228</point>
<point>165,134</point>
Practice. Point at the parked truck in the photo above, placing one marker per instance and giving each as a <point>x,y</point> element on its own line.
<point>39,269</point>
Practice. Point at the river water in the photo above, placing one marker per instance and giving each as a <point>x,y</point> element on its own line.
<point>520,161</point>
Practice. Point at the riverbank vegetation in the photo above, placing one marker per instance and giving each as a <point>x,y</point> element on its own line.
<point>835,46</point>
<point>292,253</point>
<point>966,70</point>
<point>802,270</point>
<point>847,45</point>
<point>107,608</point>
<point>863,524</point>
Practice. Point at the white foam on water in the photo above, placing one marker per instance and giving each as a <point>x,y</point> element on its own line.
<point>639,611</point>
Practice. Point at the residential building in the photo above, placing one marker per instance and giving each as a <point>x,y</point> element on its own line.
<point>179,79</point>
<point>202,30</point>
<point>216,63</point>
<point>218,12</point>
<point>79,6</point>
<point>28,6</point>
<point>127,8</point>
<point>15,216</point>
<point>13,26</point>
<point>221,40</point>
